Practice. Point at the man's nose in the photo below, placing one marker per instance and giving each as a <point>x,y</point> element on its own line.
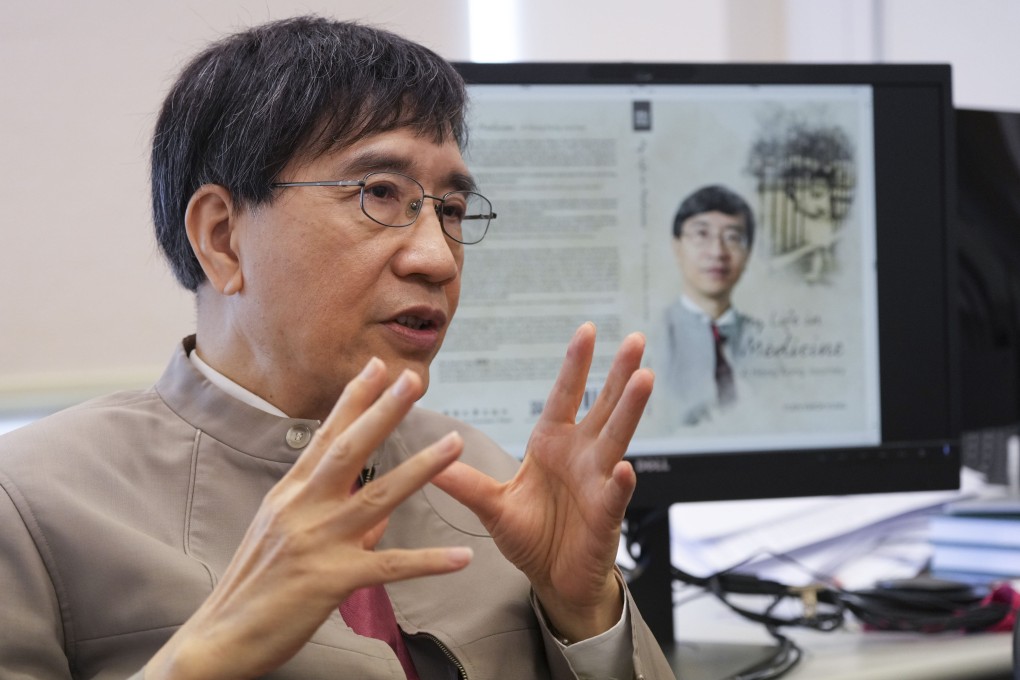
<point>432,251</point>
<point>717,245</point>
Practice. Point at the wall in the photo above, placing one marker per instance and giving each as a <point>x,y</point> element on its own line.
<point>86,303</point>
<point>978,37</point>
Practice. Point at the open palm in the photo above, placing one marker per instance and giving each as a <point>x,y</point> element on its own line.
<point>558,520</point>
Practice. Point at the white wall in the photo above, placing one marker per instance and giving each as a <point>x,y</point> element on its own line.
<point>980,38</point>
<point>86,304</point>
<point>633,30</point>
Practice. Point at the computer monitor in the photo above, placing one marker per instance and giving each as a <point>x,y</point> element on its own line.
<point>988,243</point>
<point>838,371</point>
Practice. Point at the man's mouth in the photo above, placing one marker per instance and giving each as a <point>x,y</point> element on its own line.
<point>418,329</point>
<point>414,322</point>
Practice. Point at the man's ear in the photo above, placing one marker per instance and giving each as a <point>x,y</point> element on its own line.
<point>211,223</point>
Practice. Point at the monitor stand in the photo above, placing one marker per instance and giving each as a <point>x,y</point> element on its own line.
<point>652,589</point>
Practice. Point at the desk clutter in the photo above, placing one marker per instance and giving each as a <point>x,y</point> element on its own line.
<point>822,563</point>
<point>853,540</point>
<point>977,541</point>
<point>922,604</point>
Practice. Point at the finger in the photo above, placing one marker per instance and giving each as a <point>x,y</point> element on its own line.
<point>386,566</point>
<point>349,449</point>
<point>377,499</point>
<point>568,390</point>
<point>619,490</point>
<point>626,361</point>
<point>623,421</point>
<point>359,394</point>
<point>374,535</point>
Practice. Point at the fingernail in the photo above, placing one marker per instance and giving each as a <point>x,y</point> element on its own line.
<point>459,557</point>
<point>371,369</point>
<point>402,387</point>
<point>449,442</point>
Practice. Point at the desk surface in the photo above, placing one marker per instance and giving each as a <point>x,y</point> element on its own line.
<point>713,643</point>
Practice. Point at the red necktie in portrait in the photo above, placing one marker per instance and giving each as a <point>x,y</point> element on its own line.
<point>726,389</point>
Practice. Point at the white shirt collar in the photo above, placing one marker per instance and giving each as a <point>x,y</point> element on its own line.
<point>726,318</point>
<point>232,388</point>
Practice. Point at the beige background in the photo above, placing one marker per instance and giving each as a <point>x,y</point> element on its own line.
<point>86,303</point>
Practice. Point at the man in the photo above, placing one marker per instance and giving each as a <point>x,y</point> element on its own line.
<point>712,235</point>
<point>237,520</point>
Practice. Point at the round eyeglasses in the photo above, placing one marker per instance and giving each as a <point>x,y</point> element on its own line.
<point>395,200</point>
<point>702,237</point>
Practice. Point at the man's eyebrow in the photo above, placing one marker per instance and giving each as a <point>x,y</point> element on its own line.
<point>363,163</point>
<point>461,182</point>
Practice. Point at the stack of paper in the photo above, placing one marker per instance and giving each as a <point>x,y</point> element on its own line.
<point>850,540</point>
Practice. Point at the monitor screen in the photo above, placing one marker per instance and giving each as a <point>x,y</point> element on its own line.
<point>780,234</point>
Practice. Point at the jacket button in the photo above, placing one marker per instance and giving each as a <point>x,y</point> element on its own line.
<point>298,436</point>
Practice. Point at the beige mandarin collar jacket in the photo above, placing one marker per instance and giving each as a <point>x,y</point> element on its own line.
<point>119,515</point>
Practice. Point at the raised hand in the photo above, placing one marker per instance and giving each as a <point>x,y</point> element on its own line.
<point>311,542</point>
<point>558,519</point>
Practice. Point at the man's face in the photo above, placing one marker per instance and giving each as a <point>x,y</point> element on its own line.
<point>712,251</point>
<point>814,199</point>
<point>326,288</point>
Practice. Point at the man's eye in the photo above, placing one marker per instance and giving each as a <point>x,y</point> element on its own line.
<point>453,211</point>
<point>380,192</point>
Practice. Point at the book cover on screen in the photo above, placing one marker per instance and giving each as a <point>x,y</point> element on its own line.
<point>587,182</point>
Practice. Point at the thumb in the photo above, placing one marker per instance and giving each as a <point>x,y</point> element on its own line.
<point>476,490</point>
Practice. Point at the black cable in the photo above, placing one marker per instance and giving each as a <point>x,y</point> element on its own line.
<point>784,657</point>
<point>901,607</point>
<point>785,654</point>
<point>826,617</point>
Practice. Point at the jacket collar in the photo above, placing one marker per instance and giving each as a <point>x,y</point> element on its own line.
<point>238,425</point>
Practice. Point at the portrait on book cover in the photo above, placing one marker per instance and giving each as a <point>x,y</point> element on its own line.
<point>769,323</point>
